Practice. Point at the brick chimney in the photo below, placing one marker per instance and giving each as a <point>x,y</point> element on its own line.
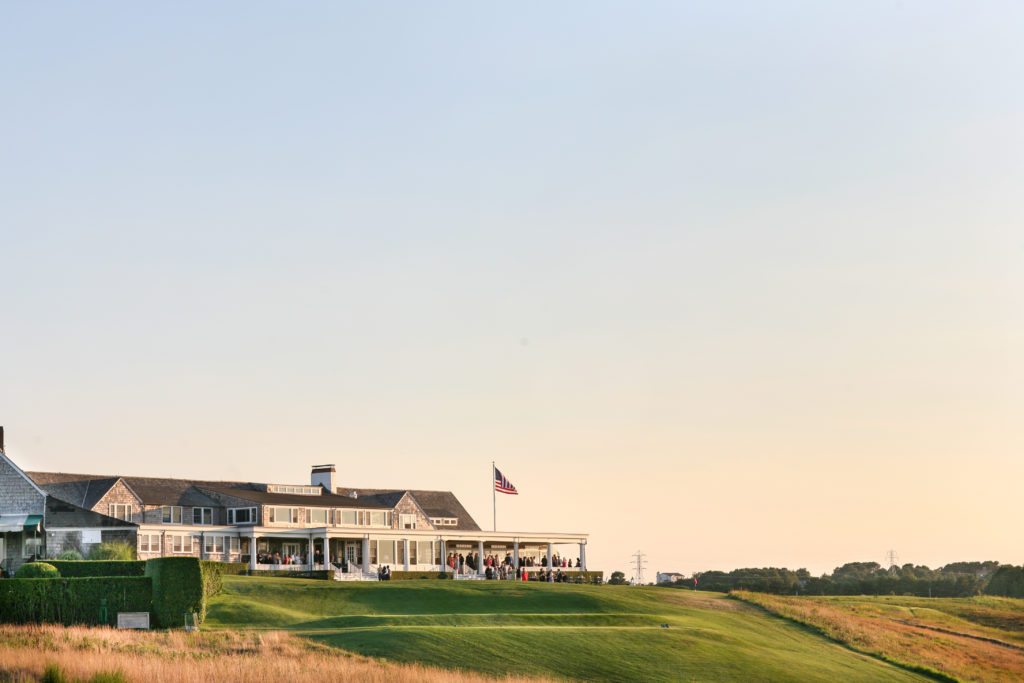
<point>323,475</point>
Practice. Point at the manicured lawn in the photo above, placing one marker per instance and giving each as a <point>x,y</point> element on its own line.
<point>563,631</point>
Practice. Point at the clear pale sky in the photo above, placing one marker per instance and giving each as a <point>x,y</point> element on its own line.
<point>737,284</point>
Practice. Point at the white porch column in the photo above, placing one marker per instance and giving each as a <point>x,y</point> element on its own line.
<point>366,553</point>
<point>515,552</point>
<point>405,552</point>
<point>480,559</point>
<point>327,552</point>
<point>549,556</point>
<point>583,557</point>
<point>444,558</point>
<point>252,551</point>
<point>309,556</point>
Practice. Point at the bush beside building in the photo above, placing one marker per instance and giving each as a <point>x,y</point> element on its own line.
<point>178,590</point>
<point>73,601</point>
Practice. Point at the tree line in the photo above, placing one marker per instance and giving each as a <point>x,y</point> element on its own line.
<point>958,579</point>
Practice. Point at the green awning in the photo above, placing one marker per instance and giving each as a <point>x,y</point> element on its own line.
<point>32,522</point>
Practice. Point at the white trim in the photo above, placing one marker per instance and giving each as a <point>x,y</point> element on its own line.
<point>27,478</point>
<point>232,519</point>
<point>199,507</point>
<point>90,528</point>
<point>112,508</point>
<point>181,515</point>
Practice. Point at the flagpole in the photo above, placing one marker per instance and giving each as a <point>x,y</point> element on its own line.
<point>494,498</point>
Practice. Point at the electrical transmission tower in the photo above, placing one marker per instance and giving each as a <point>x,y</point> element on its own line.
<point>640,561</point>
<point>893,560</point>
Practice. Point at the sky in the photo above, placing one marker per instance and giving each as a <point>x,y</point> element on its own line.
<point>733,284</point>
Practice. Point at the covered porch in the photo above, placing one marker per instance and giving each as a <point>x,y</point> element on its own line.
<point>468,554</point>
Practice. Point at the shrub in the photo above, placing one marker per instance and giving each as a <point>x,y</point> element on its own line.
<point>116,550</point>
<point>37,570</point>
<point>71,554</point>
<point>100,568</point>
<point>177,590</point>
<point>72,601</point>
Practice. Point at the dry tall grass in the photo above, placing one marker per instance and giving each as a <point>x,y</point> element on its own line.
<point>179,657</point>
<point>959,656</point>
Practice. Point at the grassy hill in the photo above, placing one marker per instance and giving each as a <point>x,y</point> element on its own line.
<point>975,639</point>
<point>561,631</point>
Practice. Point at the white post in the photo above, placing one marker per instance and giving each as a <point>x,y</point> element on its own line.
<point>405,552</point>
<point>327,553</point>
<point>252,551</point>
<point>480,559</point>
<point>309,560</point>
<point>583,557</point>
<point>549,556</point>
<point>444,558</point>
<point>515,552</point>
<point>366,554</point>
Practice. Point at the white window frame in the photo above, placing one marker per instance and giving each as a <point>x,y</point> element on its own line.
<point>406,521</point>
<point>168,510</point>
<point>213,544</point>
<point>309,515</point>
<point>293,514</point>
<point>146,544</point>
<point>181,544</point>
<point>125,508</point>
<point>233,515</point>
<point>234,545</point>
<point>201,511</point>
<point>37,543</point>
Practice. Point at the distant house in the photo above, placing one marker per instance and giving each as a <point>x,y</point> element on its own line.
<point>669,577</point>
<point>320,524</point>
<point>35,524</point>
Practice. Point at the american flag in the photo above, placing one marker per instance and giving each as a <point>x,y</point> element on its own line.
<point>502,484</point>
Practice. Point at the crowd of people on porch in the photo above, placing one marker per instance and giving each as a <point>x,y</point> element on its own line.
<point>495,567</point>
<point>277,557</point>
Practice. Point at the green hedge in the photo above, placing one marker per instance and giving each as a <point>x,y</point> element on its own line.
<point>81,568</point>
<point>410,576</point>
<point>177,590</point>
<point>213,571</point>
<point>326,574</point>
<point>72,601</point>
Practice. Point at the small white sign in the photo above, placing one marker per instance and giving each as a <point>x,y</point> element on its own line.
<point>133,620</point>
<point>92,536</point>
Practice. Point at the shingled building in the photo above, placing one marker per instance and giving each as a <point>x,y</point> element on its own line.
<point>348,529</point>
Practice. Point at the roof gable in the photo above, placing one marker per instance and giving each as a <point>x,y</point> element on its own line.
<point>61,513</point>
